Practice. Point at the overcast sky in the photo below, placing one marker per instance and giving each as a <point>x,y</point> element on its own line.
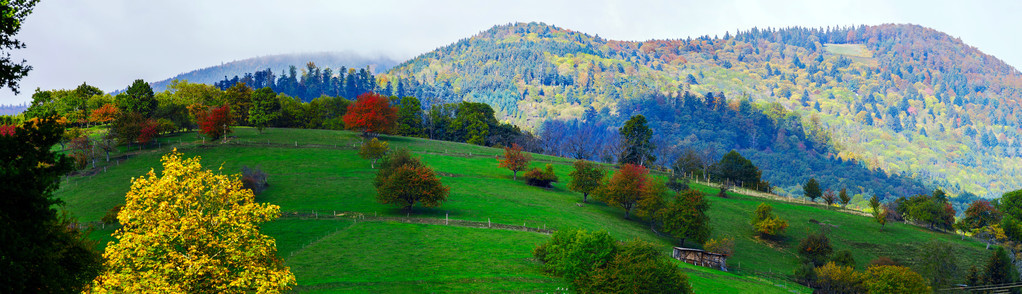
<point>108,44</point>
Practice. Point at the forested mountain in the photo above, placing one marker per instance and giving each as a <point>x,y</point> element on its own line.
<point>895,101</point>
<point>278,65</point>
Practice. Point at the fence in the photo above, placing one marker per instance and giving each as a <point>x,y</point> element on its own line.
<point>446,221</point>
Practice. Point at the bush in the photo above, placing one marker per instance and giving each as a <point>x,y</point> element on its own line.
<point>844,258</point>
<point>833,278</point>
<point>882,260</point>
<point>894,279</point>
<point>538,178</point>
<point>110,218</point>
<point>254,179</point>
<point>815,249</point>
<point>725,246</point>
<point>574,254</point>
<point>766,224</point>
<point>638,267</point>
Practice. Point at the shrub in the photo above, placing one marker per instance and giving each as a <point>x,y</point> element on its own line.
<point>766,224</point>
<point>538,178</point>
<point>894,279</point>
<point>110,218</point>
<point>882,260</point>
<point>724,246</point>
<point>844,258</point>
<point>815,249</point>
<point>254,179</point>
<point>638,267</point>
<point>574,254</point>
<point>833,278</point>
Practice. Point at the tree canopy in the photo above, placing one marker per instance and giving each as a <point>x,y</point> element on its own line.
<point>586,178</point>
<point>635,136</point>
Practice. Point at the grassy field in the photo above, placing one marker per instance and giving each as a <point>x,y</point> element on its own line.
<point>324,173</point>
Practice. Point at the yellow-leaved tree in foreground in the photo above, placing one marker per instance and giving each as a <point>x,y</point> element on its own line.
<point>191,230</point>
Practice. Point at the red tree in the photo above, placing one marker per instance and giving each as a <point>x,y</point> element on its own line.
<point>149,131</point>
<point>515,160</point>
<point>371,114</point>
<point>213,122</point>
<point>626,187</point>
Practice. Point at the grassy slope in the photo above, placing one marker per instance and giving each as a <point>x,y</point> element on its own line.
<point>339,255</point>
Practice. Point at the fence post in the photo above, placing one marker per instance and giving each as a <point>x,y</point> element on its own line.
<point>488,223</point>
<point>446,221</point>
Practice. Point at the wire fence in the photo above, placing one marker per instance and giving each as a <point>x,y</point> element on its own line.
<point>446,221</point>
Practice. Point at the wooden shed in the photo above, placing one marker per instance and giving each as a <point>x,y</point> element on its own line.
<point>701,258</point>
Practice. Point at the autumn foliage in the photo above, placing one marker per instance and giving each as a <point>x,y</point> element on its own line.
<point>212,121</point>
<point>192,230</point>
<point>404,180</point>
<point>103,114</point>
<point>515,160</point>
<point>370,114</point>
<point>626,187</point>
<point>765,223</point>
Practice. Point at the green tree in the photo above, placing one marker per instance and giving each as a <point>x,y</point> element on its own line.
<point>999,269</point>
<point>685,218</point>
<point>404,180</point>
<point>815,249</point>
<point>843,258</point>
<point>879,214</point>
<point>1011,214</point>
<point>635,136</point>
<point>265,108</point>
<point>13,16</point>
<point>409,117</point>
<point>637,267</point>
<point>373,150</point>
<point>765,223</point>
<point>576,254</point>
<point>41,252</point>
<point>733,169</point>
<point>843,195</point>
<point>138,98</point>
<point>812,189</point>
<point>239,96</point>
<point>586,178</point>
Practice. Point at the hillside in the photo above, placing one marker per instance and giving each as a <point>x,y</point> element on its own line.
<point>911,102</point>
<point>278,64</point>
<point>336,237</point>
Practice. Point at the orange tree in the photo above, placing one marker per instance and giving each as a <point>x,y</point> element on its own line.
<point>515,160</point>
<point>371,114</point>
<point>404,180</point>
<point>192,230</point>
<point>104,114</point>
<point>626,188</point>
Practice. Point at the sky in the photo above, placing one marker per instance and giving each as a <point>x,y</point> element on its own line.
<point>110,43</point>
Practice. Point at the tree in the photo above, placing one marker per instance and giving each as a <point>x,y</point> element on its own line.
<point>843,196</point>
<point>835,278</point>
<point>373,150</point>
<point>625,188</point>
<point>200,227</point>
<point>13,16</point>
<point>239,97</point>
<point>843,258</point>
<point>515,160</point>
<point>811,189</point>
<point>829,197</point>
<point>979,214</point>
<point>815,249</point>
<point>685,217</point>
<point>404,180</point>
<point>265,108</point>
<point>1011,215</point>
<point>371,114</point>
<point>586,178</point>
<point>688,164</point>
<point>733,169</point>
<point>104,114</point>
<point>409,117</point>
<point>214,122</point>
<point>635,136</point>
<point>541,178</point>
<point>637,267</point>
<point>879,214</point>
<point>576,254</point>
<point>138,98</point>
<point>765,223</point>
<point>999,269</point>
<point>42,251</point>
<point>724,246</point>
<point>893,279</point>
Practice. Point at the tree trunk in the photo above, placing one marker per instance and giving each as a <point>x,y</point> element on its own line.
<point>585,197</point>
<point>107,155</point>
<point>373,164</point>
<point>515,174</point>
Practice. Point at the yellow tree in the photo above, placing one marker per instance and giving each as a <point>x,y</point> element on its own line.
<point>192,231</point>
<point>373,150</point>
